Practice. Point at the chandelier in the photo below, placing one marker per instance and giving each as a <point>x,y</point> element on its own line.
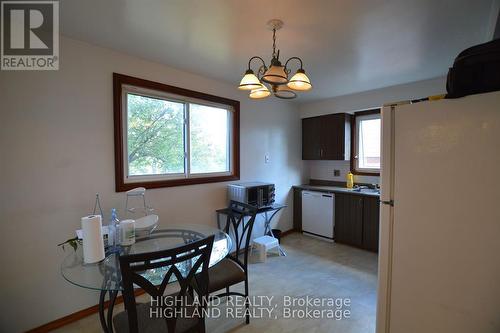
<point>274,79</point>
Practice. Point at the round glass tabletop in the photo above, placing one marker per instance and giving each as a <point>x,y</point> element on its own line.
<point>105,275</point>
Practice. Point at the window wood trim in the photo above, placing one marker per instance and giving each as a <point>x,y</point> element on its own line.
<point>120,185</point>
<point>354,141</point>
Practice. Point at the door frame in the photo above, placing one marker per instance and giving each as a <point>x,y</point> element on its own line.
<point>385,257</point>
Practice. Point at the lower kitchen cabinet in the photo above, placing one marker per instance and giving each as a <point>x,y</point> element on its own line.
<point>349,219</point>
<point>371,218</point>
<point>357,221</point>
<point>297,209</point>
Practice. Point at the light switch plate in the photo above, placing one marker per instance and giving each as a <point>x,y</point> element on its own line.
<point>266,158</point>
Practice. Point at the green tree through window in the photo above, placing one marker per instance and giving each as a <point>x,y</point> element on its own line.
<point>155,136</point>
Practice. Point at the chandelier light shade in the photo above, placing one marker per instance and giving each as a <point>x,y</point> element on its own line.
<point>261,92</point>
<point>300,81</point>
<point>283,92</point>
<point>275,76</point>
<point>249,81</point>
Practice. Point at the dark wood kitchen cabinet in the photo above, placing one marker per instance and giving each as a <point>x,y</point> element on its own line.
<point>357,221</point>
<point>349,219</point>
<point>327,137</point>
<point>371,219</point>
<point>297,209</point>
<point>311,141</point>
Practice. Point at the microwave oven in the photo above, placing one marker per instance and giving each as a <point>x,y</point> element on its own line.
<point>257,194</point>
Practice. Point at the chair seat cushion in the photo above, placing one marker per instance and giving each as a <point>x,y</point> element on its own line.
<point>224,274</point>
<point>151,319</point>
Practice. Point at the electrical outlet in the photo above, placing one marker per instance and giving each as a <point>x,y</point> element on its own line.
<point>266,158</point>
<point>336,173</point>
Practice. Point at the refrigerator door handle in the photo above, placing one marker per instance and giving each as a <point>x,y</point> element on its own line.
<point>388,202</point>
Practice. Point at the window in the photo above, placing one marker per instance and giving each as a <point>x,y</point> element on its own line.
<point>169,136</point>
<point>366,143</point>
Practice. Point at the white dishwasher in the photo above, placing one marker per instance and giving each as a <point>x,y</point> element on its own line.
<point>318,213</point>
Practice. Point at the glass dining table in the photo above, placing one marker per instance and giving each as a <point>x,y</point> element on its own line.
<point>105,276</point>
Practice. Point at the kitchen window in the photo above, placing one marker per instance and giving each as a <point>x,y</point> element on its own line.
<point>366,143</point>
<point>169,136</point>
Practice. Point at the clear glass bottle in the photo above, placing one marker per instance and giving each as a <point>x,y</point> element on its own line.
<point>114,234</point>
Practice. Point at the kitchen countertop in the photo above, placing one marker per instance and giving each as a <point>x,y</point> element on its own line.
<point>337,189</point>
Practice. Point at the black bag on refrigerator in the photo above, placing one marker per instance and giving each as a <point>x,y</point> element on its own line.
<point>475,70</point>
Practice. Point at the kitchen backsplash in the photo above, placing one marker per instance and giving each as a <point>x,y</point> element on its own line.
<point>324,170</point>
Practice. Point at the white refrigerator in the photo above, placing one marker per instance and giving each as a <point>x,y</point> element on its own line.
<point>439,259</point>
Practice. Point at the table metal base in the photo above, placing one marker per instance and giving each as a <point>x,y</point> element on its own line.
<point>107,318</point>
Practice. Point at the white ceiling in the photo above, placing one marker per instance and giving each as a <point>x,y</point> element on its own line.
<point>347,45</point>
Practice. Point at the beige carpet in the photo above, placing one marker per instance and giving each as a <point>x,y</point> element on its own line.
<point>314,268</point>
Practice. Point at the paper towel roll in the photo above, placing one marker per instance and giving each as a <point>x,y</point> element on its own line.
<point>93,244</point>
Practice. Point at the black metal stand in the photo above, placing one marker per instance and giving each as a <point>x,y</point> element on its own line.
<point>274,209</point>
<point>268,229</point>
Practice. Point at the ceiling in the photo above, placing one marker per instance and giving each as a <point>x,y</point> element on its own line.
<point>347,46</point>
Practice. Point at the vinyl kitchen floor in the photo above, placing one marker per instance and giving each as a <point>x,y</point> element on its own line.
<point>314,268</point>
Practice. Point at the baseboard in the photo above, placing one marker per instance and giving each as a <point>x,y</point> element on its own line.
<point>313,235</point>
<point>58,323</point>
<point>288,232</point>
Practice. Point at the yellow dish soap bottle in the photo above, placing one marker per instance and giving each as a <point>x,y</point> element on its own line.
<point>350,180</point>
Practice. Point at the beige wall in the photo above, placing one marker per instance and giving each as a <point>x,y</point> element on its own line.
<point>374,98</point>
<point>362,101</point>
<point>56,148</point>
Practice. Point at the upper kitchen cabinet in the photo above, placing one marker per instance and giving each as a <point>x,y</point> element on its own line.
<point>335,136</point>
<point>311,140</point>
<point>327,137</point>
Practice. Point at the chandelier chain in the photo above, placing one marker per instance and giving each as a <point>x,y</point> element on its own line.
<point>274,42</point>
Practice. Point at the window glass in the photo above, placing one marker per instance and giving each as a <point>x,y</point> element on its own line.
<point>209,139</point>
<point>368,142</point>
<point>155,136</point>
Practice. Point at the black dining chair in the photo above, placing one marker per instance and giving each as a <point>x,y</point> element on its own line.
<point>179,312</point>
<point>231,270</point>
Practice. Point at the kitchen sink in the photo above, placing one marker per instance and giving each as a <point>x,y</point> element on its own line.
<point>366,190</point>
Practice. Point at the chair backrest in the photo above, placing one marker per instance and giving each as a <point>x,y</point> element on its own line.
<point>192,258</point>
<point>241,229</point>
